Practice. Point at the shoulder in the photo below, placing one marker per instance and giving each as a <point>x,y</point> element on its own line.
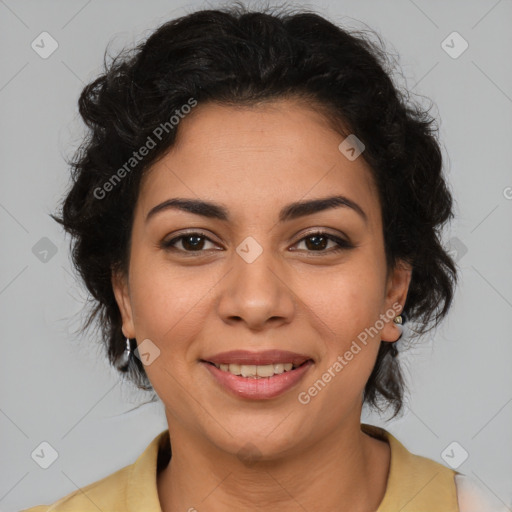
<point>474,497</point>
<point>414,482</point>
<point>106,494</point>
<point>419,483</point>
<point>132,488</point>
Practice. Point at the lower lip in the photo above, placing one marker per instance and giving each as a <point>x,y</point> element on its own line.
<point>262,388</point>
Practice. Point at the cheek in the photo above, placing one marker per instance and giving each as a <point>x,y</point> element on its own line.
<point>349,346</point>
<point>169,303</point>
<point>343,307</point>
<point>344,301</point>
<point>170,308</point>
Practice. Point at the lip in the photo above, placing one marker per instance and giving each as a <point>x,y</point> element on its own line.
<point>273,356</point>
<point>263,388</point>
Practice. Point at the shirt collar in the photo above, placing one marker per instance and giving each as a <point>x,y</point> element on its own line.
<point>142,491</point>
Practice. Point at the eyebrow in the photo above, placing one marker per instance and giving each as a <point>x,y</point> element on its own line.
<point>289,212</point>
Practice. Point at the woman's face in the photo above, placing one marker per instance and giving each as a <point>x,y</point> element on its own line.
<point>258,279</point>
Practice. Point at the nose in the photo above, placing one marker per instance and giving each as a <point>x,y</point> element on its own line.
<point>257,293</point>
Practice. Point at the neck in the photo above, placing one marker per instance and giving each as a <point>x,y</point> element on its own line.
<point>347,466</point>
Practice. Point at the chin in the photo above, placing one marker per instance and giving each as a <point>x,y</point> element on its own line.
<point>256,444</point>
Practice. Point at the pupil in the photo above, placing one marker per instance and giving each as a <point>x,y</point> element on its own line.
<point>316,243</point>
<point>196,241</point>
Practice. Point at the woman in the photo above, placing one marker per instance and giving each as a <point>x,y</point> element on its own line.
<point>256,211</point>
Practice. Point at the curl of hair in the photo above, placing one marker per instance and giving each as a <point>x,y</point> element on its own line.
<point>234,56</point>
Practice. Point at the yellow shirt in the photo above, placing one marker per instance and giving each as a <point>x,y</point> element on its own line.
<point>415,483</point>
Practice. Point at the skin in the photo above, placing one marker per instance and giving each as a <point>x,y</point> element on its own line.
<point>255,160</point>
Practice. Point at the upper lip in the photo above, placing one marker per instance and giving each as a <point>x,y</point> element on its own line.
<point>258,358</point>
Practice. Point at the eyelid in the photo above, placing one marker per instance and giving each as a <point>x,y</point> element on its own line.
<point>324,231</point>
<point>192,231</point>
<point>167,244</point>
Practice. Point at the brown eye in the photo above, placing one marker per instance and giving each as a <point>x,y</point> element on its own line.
<point>318,242</point>
<point>314,242</point>
<point>190,242</point>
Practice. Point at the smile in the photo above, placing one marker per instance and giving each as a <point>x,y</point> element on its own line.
<point>257,375</point>
<point>256,371</point>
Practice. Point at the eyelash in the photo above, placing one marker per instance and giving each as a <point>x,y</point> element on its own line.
<point>342,244</point>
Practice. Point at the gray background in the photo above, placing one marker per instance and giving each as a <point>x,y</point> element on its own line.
<point>57,387</point>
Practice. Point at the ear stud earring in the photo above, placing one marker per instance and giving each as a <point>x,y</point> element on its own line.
<point>398,320</point>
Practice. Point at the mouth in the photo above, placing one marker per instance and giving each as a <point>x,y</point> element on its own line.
<point>261,375</point>
<point>253,371</point>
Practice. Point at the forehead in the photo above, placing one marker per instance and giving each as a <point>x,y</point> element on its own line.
<point>257,157</point>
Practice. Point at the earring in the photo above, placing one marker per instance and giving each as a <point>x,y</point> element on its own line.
<point>398,320</point>
<point>124,359</point>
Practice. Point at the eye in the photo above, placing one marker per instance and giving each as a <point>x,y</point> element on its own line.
<point>318,240</point>
<point>314,242</point>
<point>190,242</point>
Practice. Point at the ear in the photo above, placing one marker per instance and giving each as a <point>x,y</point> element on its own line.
<point>396,294</point>
<point>122,294</point>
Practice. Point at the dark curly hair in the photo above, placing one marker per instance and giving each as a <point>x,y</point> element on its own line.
<point>236,56</point>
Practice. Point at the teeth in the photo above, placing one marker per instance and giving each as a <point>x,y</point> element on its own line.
<point>267,370</point>
<point>248,370</point>
<point>255,371</point>
<point>279,367</point>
